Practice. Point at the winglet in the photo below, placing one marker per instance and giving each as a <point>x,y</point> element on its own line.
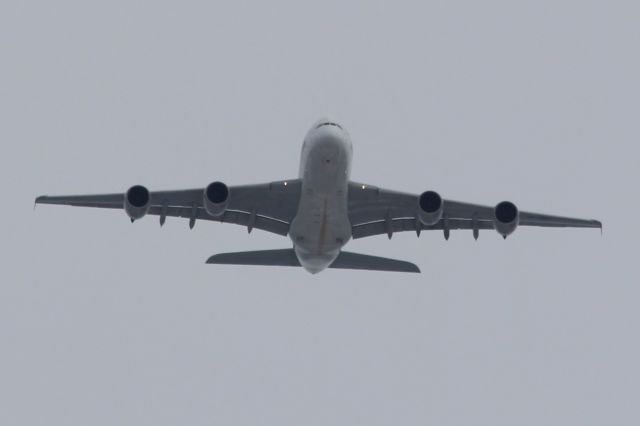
<point>594,223</point>
<point>42,199</point>
<point>38,200</point>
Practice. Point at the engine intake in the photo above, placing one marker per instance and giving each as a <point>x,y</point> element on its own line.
<point>216,198</point>
<point>137,201</point>
<point>430,207</point>
<point>506,218</point>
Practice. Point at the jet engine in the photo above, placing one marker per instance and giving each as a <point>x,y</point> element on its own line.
<point>137,201</point>
<point>216,198</point>
<point>430,208</point>
<point>506,218</point>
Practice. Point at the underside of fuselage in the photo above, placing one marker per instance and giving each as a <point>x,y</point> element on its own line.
<point>321,226</point>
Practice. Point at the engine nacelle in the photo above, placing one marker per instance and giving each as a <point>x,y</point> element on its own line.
<point>216,198</point>
<point>506,218</point>
<point>430,207</point>
<point>137,201</point>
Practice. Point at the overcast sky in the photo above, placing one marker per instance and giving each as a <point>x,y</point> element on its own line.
<point>107,323</point>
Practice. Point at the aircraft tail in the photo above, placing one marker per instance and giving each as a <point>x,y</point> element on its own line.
<point>287,257</point>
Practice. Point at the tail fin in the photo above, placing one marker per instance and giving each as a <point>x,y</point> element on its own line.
<point>287,257</point>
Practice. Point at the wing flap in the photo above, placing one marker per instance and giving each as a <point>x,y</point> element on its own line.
<point>410,224</point>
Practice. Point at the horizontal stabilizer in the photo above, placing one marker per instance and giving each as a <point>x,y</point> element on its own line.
<point>348,260</point>
<point>287,257</point>
<point>281,257</point>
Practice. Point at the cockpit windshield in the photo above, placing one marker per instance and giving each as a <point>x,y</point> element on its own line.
<point>329,123</point>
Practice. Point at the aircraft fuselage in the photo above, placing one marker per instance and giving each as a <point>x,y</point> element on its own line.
<point>321,227</point>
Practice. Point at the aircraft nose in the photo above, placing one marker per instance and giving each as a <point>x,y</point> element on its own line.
<point>328,147</point>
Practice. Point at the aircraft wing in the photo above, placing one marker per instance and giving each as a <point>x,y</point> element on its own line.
<point>268,206</point>
<point>375,211</point>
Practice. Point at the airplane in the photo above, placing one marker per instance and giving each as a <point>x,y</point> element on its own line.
<point>320,211</point>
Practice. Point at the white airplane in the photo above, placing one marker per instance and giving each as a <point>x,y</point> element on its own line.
<point>320,211</point>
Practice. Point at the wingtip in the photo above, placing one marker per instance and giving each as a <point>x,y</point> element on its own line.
<point>216,259</point>
<point>411,267</point>
<point>39,199</point>
<point>594,223</point>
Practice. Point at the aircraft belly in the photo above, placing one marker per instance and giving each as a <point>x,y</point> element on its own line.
<point>319,235</point>
<point>321,226</point>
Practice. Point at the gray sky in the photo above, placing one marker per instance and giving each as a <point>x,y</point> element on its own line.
<point>107,323</point>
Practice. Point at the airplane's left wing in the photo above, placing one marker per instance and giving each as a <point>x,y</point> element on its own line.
<point>375,211</point>
<point>269,206</point>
